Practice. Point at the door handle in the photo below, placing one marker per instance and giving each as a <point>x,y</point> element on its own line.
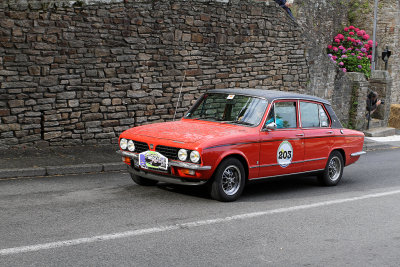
<point>299,134</point>
<point>329,132</point>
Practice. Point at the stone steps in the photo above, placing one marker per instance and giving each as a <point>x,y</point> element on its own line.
<point>375,123</point>
<point>380,132</point>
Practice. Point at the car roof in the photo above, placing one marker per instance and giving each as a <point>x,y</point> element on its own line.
<point>270,95</point>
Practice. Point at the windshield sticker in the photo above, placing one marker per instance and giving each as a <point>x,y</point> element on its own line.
<point>285,154</point>
<point>230,97</point>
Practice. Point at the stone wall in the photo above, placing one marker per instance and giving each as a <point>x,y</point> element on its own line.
<point>72,75</point>
<point>388,34</point>
<point>74,72</point>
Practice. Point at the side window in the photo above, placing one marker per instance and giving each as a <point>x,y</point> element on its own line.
<point>313,115</point>
<point>323,117</point>
<point>283,114</point>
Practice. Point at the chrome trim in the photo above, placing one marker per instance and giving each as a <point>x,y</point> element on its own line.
<point>358,153</point>
<point>161,178</point>
<point>186,165</point>
<point>293,162</point>
<point>190,166</point>
<point>287,174</point>
<point>127,154</point>
<point>308,160</point>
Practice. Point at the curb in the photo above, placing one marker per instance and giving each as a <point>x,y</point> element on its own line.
<point>62,170</point>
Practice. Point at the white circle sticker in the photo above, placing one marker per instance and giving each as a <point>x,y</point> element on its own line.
<point>285,154</point>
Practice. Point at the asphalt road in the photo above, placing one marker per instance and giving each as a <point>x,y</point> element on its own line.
<point>105,219</point>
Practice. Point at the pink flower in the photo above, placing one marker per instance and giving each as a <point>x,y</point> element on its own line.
<point>370,42</point>
<point>361,54</point>
<point>340,36</point>
<point>337,40</point>
<point>356,29</point>
<point>359,57</point>
<point>334,57</point>
<point>341,63</point>
<point>351,33</point>
<point>365,37</point>
<point>353,54</point>
<point>346,29</point>
<point>369,57</point>
<point>335,49</point>
<point>363,50</point>
<point>344,56</point>
<point>359,33</point>
<point>329,46</point>
<point>351,28</point>
<point>341,47</point>
<point>344,70</point>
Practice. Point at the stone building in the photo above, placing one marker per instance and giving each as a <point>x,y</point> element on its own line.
<point>82,72</point>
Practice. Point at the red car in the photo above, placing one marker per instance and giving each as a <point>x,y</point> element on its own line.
<point>232,136</point>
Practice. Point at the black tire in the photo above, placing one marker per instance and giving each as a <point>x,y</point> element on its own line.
<point>143,181</point>
<point>229,181</point>
<point>333,172</point>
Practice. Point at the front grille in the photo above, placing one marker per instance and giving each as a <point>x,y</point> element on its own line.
<point>140,146</point>
<point>168,151</point>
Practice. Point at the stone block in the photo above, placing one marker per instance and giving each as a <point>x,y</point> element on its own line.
<point>66,95</point>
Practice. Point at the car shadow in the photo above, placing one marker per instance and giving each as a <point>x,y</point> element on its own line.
<point>261,190</point>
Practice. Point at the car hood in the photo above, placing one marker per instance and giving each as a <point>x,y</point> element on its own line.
<point>187,131</point>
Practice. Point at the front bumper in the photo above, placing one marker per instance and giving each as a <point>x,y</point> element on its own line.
<point>167,178</point>
<point>185,165</point>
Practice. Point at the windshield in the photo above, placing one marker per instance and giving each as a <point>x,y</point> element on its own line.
<point>229,108</point>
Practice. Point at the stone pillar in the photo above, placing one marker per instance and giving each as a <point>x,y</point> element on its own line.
<point>381,82</point>
<point>357,103</point>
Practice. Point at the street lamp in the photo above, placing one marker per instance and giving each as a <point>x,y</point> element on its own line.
<point>374,35</point>
<point>386,55</point>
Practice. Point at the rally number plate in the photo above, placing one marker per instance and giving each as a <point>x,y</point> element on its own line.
<point>153,160</point>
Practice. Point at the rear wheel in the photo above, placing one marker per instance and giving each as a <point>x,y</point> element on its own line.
<point>143,181</point>
<point>333,171</point>
<point>229,180</point>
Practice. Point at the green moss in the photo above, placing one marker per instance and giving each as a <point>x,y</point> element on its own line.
<point>356,9</point>
<point>78,3</point>
<point>353,108</point>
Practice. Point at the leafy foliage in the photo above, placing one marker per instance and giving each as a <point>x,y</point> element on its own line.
<point>351,50</point>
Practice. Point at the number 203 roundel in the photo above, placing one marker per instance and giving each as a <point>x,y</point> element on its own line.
<point>285,154</point>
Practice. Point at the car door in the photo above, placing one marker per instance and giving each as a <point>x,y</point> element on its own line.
<point>318,135</point>
<point>281,149</point>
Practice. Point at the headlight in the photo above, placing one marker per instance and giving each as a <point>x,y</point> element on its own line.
<point>123,143</point>
<point>131,146</point>
<point>182,154</point>
<point>195,156</point>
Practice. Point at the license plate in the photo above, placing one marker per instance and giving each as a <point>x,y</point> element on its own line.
<point>153,160</point>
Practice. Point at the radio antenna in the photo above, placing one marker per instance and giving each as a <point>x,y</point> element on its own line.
<point>180,92</point>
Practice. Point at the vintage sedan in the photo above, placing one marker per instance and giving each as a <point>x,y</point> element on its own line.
<point>232,136</point>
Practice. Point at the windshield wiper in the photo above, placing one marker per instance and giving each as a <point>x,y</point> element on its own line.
<point>240,122</point>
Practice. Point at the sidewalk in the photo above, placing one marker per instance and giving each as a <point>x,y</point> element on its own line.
<point>48,161</point>
<point>29,162</point>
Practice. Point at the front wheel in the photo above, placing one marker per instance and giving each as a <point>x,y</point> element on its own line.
<point>143,181</point>
<point>229,181</point>
<point>333,171</point>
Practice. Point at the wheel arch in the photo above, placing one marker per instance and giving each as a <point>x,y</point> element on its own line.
<point>239,157</point>
<point>341,151</point>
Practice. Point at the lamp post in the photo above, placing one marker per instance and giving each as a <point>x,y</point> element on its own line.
<point>385,56</point>
<point>374,36</point>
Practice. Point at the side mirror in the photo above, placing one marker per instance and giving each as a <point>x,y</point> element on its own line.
<point>271,126</point>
